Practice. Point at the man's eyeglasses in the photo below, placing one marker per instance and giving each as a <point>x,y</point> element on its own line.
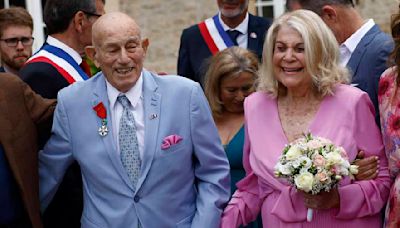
<point>91,14</point>
<point>13,42</point>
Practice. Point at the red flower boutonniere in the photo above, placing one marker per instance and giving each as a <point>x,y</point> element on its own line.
<point>101,112</point>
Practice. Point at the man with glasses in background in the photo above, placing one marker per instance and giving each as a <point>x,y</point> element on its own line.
<point>56,65</point>
<point>16,39</point>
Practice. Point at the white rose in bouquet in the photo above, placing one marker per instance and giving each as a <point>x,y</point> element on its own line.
<point>283,169</point>
<point>304,181</point>
<point>333,158</point>
<point>293,153</point>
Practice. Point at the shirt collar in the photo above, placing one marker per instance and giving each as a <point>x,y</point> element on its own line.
<point>352,42</point>
<point>133,95</point>
<point>57,43</point>
<point>242,27</point>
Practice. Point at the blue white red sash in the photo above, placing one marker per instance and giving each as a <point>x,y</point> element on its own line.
<point>214,35</point>
<point>60,60</point>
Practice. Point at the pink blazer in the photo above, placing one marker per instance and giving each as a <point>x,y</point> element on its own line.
<point>346,118</point>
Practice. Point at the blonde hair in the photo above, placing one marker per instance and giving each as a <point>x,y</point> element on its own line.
<point>227,63</point>
<point>321,54</point>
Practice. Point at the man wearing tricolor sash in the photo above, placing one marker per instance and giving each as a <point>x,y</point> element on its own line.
<point>233,25</point>
<point>56,65</point>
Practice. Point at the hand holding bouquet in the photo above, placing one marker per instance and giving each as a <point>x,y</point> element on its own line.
<point>314,164</point>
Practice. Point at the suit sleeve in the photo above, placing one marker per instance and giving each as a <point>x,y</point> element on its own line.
<point>185,68</point>
<point>56,156</point>
<point>211,167</point>
<point>40,109</point>
<point>366,197</point>
<point>245,204</point>
<point>43,78</point>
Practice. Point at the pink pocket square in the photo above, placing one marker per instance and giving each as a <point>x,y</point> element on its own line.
<point>170,140</point>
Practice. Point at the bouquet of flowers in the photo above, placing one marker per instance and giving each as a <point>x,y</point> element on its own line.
<point>314,164</point>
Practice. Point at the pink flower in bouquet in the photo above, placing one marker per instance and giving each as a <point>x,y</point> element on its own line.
<point>314,144</point>
<point>333,170</point>
<point>321,177</point>
<point>319,161</point>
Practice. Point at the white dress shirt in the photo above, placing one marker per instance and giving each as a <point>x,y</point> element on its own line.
<point>242,27</point>
<point>57,43</point>
<point>135,96</point>
<point>347,48</point>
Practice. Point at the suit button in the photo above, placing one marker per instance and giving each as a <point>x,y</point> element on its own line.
<point>136,199</point>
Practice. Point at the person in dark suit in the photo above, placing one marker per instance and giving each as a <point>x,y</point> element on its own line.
<point>16,39</point>
<point>232,26</point>
<point>364,48</point>
<point>21,113</point>
<point>57,65</point>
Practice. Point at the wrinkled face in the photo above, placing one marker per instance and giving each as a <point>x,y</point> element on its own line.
<point>289,59</point>
<point>232,8</point>
<point>120,54</point>
<point>233,90</point>
<point>15,57</point>
<point>86,38</point>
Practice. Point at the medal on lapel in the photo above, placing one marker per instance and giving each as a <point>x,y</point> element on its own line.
<point>101,112</point>
<point>103,130</point>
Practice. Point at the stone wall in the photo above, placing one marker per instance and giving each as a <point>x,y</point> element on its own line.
<point>379,10</point>
<point>162,22</point>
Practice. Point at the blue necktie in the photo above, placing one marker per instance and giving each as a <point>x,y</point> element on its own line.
<point>233,34</point>
<point>128,143</point>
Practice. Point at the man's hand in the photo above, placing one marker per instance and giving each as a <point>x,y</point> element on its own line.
<point>368,168</point>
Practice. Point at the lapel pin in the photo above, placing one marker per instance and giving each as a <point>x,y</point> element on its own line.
<point>153,116</point>
<point>253,35</point>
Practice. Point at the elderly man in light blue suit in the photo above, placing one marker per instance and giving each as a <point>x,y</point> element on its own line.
<point>149,151</point>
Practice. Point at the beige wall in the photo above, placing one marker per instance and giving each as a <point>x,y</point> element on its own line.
<point>379,10</point>
<point>162,22</point>
<point>112,6</point>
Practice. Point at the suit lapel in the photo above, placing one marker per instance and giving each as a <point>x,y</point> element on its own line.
<point>254,36</point>
<point>360,50</point>
<point>152,102</point>
<point>100,95</point>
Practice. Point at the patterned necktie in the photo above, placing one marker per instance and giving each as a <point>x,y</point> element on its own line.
<point>128,143</point>
<point>233,34</point>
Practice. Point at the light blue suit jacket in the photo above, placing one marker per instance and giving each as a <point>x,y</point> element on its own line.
<point>186,185</point>
<point>368,62</point>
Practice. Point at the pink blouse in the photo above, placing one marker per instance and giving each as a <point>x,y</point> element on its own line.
<point>347,119</point>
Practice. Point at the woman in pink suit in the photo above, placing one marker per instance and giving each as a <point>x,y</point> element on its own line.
<point>301,90</point>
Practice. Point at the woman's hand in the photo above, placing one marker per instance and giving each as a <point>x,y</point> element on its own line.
<point>368,168</point>
<point>323,200</point>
